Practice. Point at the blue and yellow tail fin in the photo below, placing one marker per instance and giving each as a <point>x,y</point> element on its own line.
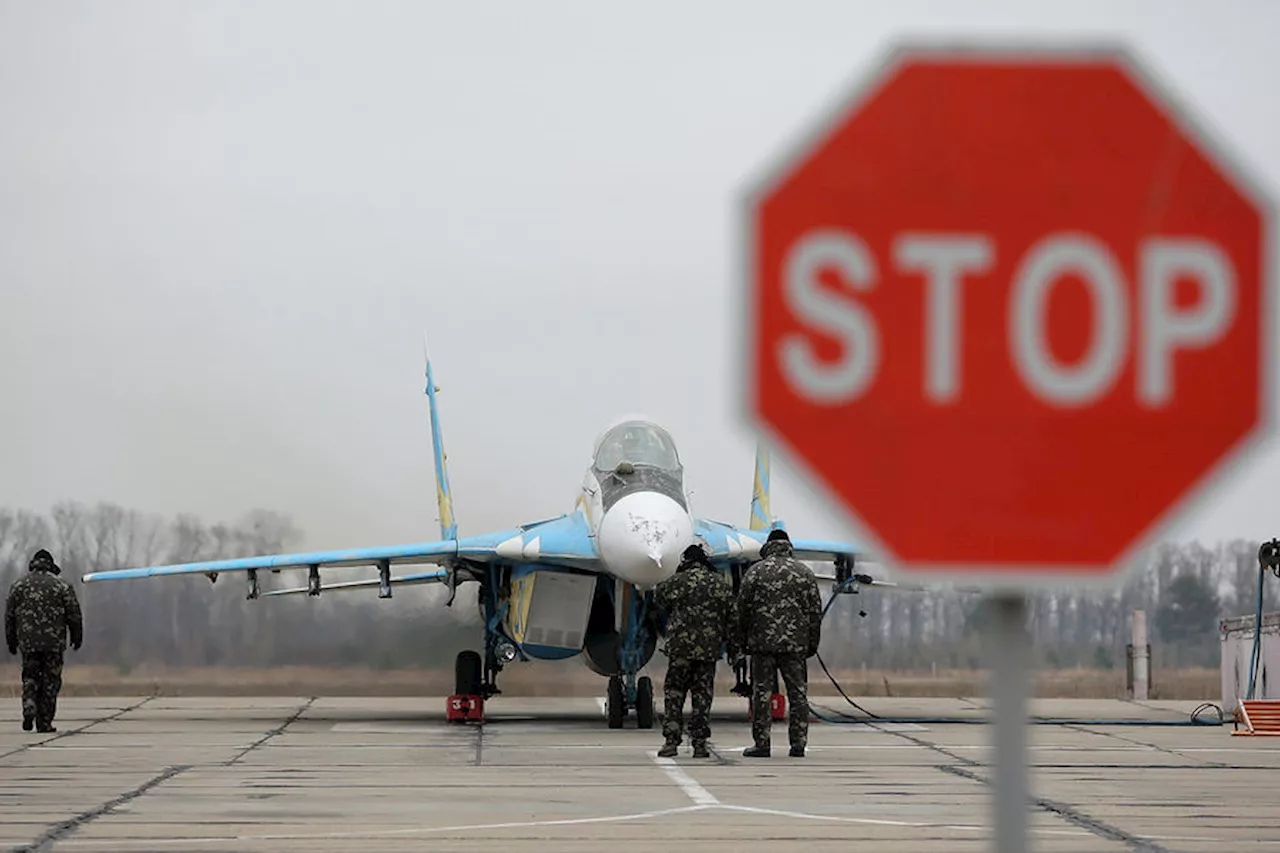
<point>761,516</point>
<point>444,497</point>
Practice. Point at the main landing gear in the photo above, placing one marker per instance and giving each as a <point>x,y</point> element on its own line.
<point>476,675</point>
<point>469,690</point>
<point>618,703</point>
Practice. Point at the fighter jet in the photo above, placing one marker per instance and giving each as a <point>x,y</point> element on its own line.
<point>578,584</point>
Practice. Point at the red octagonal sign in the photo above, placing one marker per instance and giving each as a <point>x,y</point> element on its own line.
<point>1010,309</point>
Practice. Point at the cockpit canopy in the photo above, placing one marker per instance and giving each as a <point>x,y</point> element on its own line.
<point>637,442</point>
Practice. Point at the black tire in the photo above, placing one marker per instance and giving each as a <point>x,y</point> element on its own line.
<point>616,707</point>
<point>468,674</point>
<point>644,703</point>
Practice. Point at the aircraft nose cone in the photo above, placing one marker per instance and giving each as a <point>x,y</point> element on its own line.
<point>642,536</point>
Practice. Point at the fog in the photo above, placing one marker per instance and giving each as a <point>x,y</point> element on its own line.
<point>225,229</point>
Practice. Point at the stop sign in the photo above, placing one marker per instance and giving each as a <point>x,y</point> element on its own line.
<point>1010,309</point>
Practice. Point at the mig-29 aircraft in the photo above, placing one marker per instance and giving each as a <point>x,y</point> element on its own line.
<point>576,584</point>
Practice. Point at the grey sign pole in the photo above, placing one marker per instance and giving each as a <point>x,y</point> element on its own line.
<point>1009,655</point>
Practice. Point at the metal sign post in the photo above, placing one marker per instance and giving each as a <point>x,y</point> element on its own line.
<point>1009,654</point>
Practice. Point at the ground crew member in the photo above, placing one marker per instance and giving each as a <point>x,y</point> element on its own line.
<point>699,602</point>
<point>41,610</point>
<point>779,625</point>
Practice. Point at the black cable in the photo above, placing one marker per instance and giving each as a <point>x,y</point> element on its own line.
<point>1268,558</point>
<point>1195,715</point>
<point>834,592</point>
<point>1255,654</point>
<point>836,684</point>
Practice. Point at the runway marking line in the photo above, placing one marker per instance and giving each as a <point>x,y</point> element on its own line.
<point>413,830</point>
<point>700,795</point>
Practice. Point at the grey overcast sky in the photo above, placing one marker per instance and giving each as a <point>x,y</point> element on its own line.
<point>224,228</point>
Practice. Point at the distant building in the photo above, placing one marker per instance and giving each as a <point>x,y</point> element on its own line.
<point>1237,647</point>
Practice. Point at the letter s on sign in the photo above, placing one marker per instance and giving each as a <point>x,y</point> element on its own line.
<point>839,382</point>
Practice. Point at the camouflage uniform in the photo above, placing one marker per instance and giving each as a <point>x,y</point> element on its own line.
<point>699,603</point>
<point>779,625</point>
<point>41,609</point>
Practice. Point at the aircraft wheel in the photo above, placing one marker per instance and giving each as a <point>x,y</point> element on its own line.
<point>644,703</point>
<point>468,674</point>
<point>615,705</point>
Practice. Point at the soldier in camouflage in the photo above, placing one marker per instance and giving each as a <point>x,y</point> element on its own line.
<point>41,610</point>
<point>699,602</point>
<point>779,625</point>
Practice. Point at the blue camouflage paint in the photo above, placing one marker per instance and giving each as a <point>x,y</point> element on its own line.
<point>717,535</point>
<point>567,537</point>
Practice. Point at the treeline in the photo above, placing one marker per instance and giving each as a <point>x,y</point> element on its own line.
<point>188,621</point>
<point>1184,589</point>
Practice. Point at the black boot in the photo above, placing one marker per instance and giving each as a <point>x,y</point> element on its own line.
<point>44,728</point>
<point>797,751</point>
<point>27,722</point>
<point>700,750</point>
<point>756,751</point>
<point>669,750</point>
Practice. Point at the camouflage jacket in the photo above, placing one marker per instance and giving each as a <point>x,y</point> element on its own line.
<point>699,604</point>
<point>41,610</point>
<point>779,606</point>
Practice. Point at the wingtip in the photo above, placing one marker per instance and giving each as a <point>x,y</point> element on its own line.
<point>426,366</point>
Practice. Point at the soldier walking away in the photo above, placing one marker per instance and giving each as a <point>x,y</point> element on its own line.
<point>41,610</point>
<point>780,625</point>
<point>699,603</point>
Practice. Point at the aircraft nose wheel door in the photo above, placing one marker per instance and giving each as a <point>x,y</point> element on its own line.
<point>615,704</point>
<point>644,703</point>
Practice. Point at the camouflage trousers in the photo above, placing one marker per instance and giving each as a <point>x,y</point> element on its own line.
<point>794,670</point>
<point>688,676</point>
<point>41,682</point>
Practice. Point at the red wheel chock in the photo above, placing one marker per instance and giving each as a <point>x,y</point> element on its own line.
<point>465,709</point>
<point>777,707</point>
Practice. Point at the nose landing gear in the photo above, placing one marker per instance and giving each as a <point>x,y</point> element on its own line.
<point>627,694</point>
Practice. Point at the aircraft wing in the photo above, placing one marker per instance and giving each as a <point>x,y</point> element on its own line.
<point>862,578</point>
<point>737,544</point>
<point>564,541</point>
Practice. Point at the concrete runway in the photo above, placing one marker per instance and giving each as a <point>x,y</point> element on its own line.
<point>274,774</point>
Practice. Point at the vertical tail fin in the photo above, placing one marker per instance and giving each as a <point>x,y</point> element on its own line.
<point>444,497</point>
<point>761,516</point>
